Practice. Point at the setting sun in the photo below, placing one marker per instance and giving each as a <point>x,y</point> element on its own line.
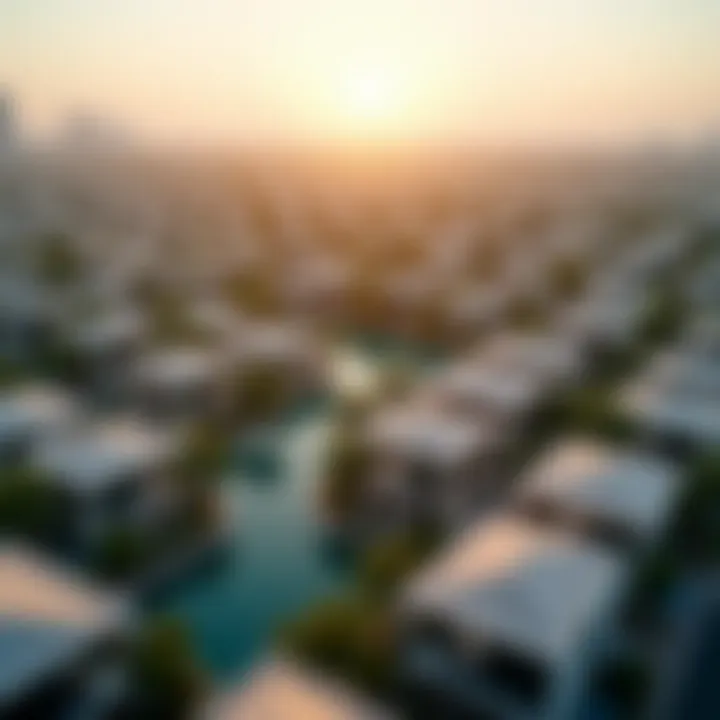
<point>372,96</point>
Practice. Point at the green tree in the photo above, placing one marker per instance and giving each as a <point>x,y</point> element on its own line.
<point>387,563</point>
<point>397,380</point>
<point>526,312</point>
<point>349,636</point>
<point>568,278</point>
<point>62,361</point>
<point>199,469</point>
<point>122,553</point>
<point>10,373</point>
<point>698,521</point>
<point>593,410</point>
<point>28,503</point>
<point>59,263</point>
<point>255,293</point>
<point>347,468</point>
<point>663,317</point>
<point>260,392</point>
<point>626,681</point>
<point>206,454</point>
<point>166,678</point>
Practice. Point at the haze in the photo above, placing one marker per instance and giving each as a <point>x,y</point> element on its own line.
<point>386,70</point>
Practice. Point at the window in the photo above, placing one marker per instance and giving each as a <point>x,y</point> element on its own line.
<point>612,535</point>
<point>542,512</point>
<point>514,675</point>
<point>433,633</point>
<point>423,478</point>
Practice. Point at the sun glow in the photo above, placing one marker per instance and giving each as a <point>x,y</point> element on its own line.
<point>367,99</point>
<point>372,95</point>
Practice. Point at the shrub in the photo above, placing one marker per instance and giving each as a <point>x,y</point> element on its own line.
<point>389,562</point>
<point>568,278</point>
<point>122,553</point>
<point>663,318</point>
<point>698,522</point>
<point>348,636</point>
<point>166,679</point>
<point>346,473</point>
<point>526,312</point>
<point>626,681</point>
<point>206,454</point>
<point>259,392</point>
<point>61,361</point>
<point>593,411</point>
<point>58,263</point>
<point>28,503</point>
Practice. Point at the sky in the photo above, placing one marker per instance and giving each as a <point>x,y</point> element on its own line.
<point>448,70</point>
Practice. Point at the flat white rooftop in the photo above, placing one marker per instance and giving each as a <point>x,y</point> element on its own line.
<point>111,329</point>
<point>279,690</point>
<point>179,367</point>
<point>552,355</point>
<point>634,490</point>
<point>609,316</point>
<point>665,401</point>
<point>422,431</point>
<point>275,341</point>
<point>36,408</point>
<point>530,589</point>
<point>97,456</point>
<point>488,387</point>
<point>47,617</point>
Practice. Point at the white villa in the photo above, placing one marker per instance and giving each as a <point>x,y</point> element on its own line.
<point>509,622</point>
<point>289,346</point>
<point>113,336</point>
<point>318,286</point>
<point>430,466</point>
<point>552,357</point>
<point>30,414</point>
<point>473,308</point>
<point>604,320</point>
<point>181,382</point>
<point>507,379</point>
<point>704,287</point>
<point>279,690</point>
<point>112,474</point>
<point>702,338</point>
<point>57,635</point>
<point>476,387</point>
<point>676,402</point>
<point>618,498</point>
<point>26,317</point>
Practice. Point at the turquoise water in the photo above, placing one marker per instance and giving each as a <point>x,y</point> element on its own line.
<point>278,560</point>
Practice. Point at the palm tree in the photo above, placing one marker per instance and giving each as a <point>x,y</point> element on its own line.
<point>260,392</point>
<point>346,473</point>
<point>166,678</point>
<point>207,453</point>
<point>568,278</point>
<point>28,503</point>
<point>58,263</point>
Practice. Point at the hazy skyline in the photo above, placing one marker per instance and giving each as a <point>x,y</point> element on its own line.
<point>392,69</point>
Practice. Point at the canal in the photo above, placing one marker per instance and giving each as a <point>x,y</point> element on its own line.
<point>278,560</point>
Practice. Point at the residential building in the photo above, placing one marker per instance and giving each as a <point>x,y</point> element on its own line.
<point>509,622</point>
<point>279,690</point>
<point>620,498</point>
<point>112,474</point>
<point>429,466</point>
<point>31,414</point>
<point>59,638</point>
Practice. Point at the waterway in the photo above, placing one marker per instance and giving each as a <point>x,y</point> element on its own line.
<point>278,559</point>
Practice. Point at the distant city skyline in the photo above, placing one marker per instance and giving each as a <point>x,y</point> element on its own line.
<point>455,71</point>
